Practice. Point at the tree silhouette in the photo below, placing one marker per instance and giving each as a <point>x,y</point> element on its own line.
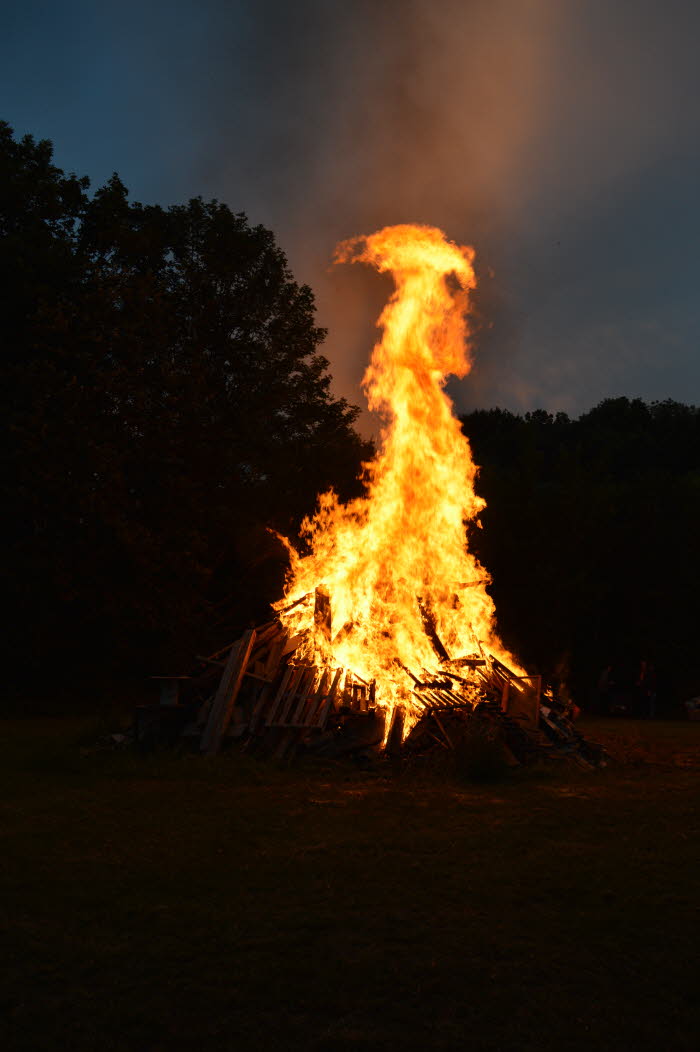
<point>591,536</point>
<point>166,402</point>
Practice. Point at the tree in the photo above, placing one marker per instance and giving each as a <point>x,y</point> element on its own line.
<point>166,403</point>
<point>590,533</point>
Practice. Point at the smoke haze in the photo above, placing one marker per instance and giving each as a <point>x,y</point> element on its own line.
<point>559,137</point>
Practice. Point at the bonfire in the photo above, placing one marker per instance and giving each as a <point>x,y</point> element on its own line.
<point>386,616</point>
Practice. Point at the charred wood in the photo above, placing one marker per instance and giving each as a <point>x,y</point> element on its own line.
<point>428,619</point>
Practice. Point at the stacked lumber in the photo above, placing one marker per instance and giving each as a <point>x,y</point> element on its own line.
<point>258,693</point>
<point>261,693</point>
<point>268,698</point>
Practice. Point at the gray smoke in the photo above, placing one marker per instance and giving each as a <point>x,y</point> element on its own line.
<point>559,137</point>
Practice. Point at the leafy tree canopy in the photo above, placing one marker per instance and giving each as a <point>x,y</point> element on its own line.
<point>166,401</point>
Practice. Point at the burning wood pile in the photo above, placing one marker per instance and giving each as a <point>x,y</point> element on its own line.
<point>269,700</point>
<point>386,632</point>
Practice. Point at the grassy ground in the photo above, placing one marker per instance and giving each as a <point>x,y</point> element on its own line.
<point>171,902</point>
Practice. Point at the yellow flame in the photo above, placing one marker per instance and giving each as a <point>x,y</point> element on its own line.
<point>403,544</point>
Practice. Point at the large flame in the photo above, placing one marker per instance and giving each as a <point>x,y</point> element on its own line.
<point>398,555</point>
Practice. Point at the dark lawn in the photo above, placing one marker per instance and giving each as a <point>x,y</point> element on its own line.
<point>171,902</point>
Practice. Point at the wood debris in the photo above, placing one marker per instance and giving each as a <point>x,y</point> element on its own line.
<point>258,693</point>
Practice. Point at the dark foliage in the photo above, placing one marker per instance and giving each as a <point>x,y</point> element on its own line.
<point>165,402</point>
<point>591,536</point>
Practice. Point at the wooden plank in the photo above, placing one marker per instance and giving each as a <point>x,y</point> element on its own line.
<point>261,653</point>
<point>359,692</point>
<point>484,674</point>
<point>443,731</point>
<point>327,705</point>
<point>260,704</point>
<point>225,697</point>
<point>297,676</point>
<point>309,705</point>
<point>463,679</point>
<point>428,619</point>
<point>291,644</point>
<point>525,704</point>
<point>267,632</point>
<point>419,700</point>
<point>322,618</point>
<point>504,696</point>
<point>432,698</point>
<point>462,702</point>
<point>534,683</point>
<point>443,698</point>
<point>210,661</point>
<point>274,657</point>
<point>394,738</point>
<point>286,609</point>
<point>343,686</point>
<point>239,667</point>
<point>315,697</point>
<point>417,682</point>
<point>299,688</point>
<point>458,700</point>
<point>305,695</point>
<point>311,713</point>
<point>298,672</point>
<point>465,662</point>
<point>279,695</point>
<point>504,670</point>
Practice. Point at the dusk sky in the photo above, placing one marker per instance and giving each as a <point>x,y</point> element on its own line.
<point>561,138</point>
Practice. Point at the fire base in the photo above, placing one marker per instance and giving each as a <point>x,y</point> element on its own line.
<point>257,694</point>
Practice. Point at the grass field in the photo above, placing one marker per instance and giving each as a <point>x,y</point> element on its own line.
<point>171,902</point>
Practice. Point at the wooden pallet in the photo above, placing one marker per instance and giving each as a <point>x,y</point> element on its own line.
<point>225,697</point>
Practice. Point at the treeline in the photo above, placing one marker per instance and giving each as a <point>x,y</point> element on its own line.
<point>165,403</point>
<point>592,536</point>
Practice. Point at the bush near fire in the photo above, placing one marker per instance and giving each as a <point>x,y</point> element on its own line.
<point>165,402</point>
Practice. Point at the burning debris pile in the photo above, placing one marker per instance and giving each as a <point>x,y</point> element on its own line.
<point>270,700</point>
<point>386,632</point>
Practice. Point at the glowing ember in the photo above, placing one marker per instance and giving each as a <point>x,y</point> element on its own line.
<point>396,558</point>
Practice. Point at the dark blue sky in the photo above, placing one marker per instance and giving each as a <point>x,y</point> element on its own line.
<point>560,137</point>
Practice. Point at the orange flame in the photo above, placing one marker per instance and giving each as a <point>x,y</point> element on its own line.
<point>402,545</point>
